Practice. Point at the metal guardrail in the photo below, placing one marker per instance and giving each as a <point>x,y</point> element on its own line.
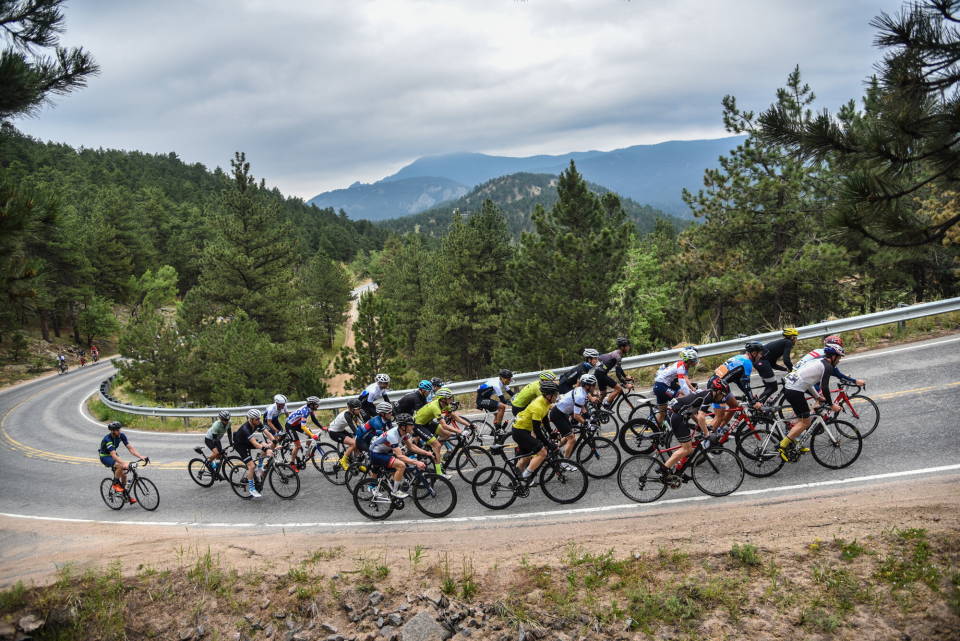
<point>645,360</point>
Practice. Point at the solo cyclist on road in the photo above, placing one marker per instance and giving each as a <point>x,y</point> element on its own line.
<point>110,458</point>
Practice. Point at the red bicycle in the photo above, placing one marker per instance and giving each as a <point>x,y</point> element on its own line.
<point>858,409</point>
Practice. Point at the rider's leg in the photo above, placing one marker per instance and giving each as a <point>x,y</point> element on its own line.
<point>613,395</point>
<point>681,430</point>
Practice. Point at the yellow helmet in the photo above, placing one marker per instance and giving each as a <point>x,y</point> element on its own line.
<point>790,331</point>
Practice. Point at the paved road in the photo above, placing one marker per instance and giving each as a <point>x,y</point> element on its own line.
<point>50,468</point>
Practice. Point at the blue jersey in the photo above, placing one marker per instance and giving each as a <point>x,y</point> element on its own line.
<point>492,386</point>
<point>374,427</point>
<point>110,444</point>
<point>300,416</point>
<point>736,369</point>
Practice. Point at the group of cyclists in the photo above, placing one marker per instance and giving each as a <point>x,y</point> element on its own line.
<point>61,359</point>
<point>544,413</point>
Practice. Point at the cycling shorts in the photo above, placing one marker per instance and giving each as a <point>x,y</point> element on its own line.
<point>560,422</point>
<point>664,393</point>
<point>382,460</point>
<point>294,431</point>
<point>244,451</point>
<point>604,380</point>
<point>798,401</point>
<point>368,409</point>
<point>488,404</point>
<point>681,429</point>
<point>213,444</point>
<point>337,437</point>
<point>108,461</point>
<point>427,433</point>
<point>516,410</point>
<point>527,443</point>
<point>363,446</point>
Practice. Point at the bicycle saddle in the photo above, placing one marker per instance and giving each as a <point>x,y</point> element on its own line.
<point>497,449</point>
<point>198,450</point>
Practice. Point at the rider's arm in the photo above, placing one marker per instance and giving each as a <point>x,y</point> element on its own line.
<point>276,422</point>
<point>843,377</point>
<point>787,363</point>
<point>132,451</point>
<point>229,436</point>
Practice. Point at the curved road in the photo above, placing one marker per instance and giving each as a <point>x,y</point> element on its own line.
<point>50,466</point>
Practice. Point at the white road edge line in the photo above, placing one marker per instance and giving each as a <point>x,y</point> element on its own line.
<point>902,349</point>
<point>496,517</point>
<point>84,414</point>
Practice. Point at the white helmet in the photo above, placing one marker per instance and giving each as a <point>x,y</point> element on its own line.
<point>690,355</point>
<point>590,353</point>
<point>383,378</point>
<point>313,400</point>
<point>254,414</point>
<point>280,399</point>
<point>383,408</point>
<point>588,379</point>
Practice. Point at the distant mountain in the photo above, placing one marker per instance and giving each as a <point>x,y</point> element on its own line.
<point>651,174</point>
<point>517,195</point>
<point>395,198</point>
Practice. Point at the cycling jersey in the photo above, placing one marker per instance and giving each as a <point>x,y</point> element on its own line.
<point>297,420</point>
<point>493,386</point>
<point>737,369</point>
<point>427,413</point>
<point>109,444</point>
<point>241,440</point>
<point>572,402</point>
<point>690,404</point>
<point>374,427</point>
<point>775,350</point>
<point>818,353</point>
<point>373,392</point>
<point>533,415</point>
<point>218,429</point>
<point>410,403</point>
<point>388,441</point>
<point>611,361</point>
<point>809,375</point>
<point>569,378</point>
<point>343,422</point>
<point>272,413</point>
<point>675,373</point>
<point>526,395</point>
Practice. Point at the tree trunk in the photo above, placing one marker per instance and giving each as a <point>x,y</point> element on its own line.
<point>73,323</point>
<point>44,330</point>
<point>56,323</point>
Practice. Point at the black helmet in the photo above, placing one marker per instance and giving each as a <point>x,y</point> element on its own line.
<point>353,403</point>
<point>114,425</point>
<point>753,346</point>
<point>436,381</point>
<point>622,342</point>
<point>548,388</point>
<point>403,419</point>
<point>505,373</point>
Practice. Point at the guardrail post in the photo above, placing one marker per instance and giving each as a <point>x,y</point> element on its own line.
<point>186,422</point>
<point>902,325</point>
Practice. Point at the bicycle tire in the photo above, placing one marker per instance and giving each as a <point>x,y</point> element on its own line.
<point>471,459</point>
<point>483,433</point>
<point>758,453</point>
<point>493,488</point>
<point>638,436</point>
<point>435,501</point>
<point>331,469</point>
<point>284,481</point>
<point>354,475</point>
<point>146,493</point>
<point>317,460</point>
<point>199,472</point>
<point>594,410</point>
<point>563,485</point>
<point>626,404</point>
<point>838,451</point>
<point>238,482</point>
<point>373,507</point>
<point>717,472</point>
<point>228,465</point>
<point>639,479</point>
<point>868,415</point>
<point>111,497</point>
<point>598,456</point>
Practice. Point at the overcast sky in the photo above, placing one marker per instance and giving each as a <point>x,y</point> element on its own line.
<point>321,94</point>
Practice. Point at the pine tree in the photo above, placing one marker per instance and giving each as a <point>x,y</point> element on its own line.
<point>159,360</point>
<point>563,275</point>
<point>325,289</point>
<point>96,320</point>
<point>406,282</point>
<point>376,345</point>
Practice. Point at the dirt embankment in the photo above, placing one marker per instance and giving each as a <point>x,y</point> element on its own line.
<point>877,562</point>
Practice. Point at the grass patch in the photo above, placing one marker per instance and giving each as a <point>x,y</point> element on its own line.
<point>13,598</point>
<point>903,568</point>
<point>746,554</point>
<point>849,551</point>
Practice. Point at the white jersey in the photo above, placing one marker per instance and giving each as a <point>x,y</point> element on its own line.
<point>273,412</point>
<point>572,401</point>
<point>495,384</point>
<point>812,356</point>
<point>388,441</point>
<point>807,376</point>
<point>675,372</point>
<point>372,393</point>
<point>341,423</point>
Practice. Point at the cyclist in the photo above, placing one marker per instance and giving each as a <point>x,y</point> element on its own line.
<point>736,369</point>
<point>82,354</point>
<point>813,377</point>
<point>413,401</point>
<point>297,423</point>
<point>773,352</point>
<point>430,423</point>
<point>95,353</point>
<point>386,451</point>
<point>572,404</point>
<point>818,353</point>
<point>528,431</point>
<point>674,380</point>
<point>343,427</point>
<point>110,458</point>
<point>62,361</point>
<point>245,440</point>
<point>498,386</point>
<point>437,383</point>
<point>272,415</point>
<point>373,392</point>
<point>380,423</point>
<point>681,409</point>
<point>213,436</point>
<point>525,396</point>
<point>612,361</point>
<point>590,359</point>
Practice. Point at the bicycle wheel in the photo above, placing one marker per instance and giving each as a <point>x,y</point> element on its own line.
<point>598,456</point>
<point>238,481</point>
<point>200,473</point>
<point>354,475</point>
<point>625,405</point>
<point>563,481</point>
<point>483,433</point>
<point>493,488</point>
<point>471,459</point>
<point>372,502</point>
<point>111,497</point>
<point>593,409</point>
<point>758,453</point>
<point>836,446</point>
<point>228,465</point>
<point>284,482</point>
<point>867,414</point>
<point>639,479</point>
<point>434,495</point>
<point>316,457</point>
<point>146,493</point>
<point>717,472</point>
<point>639,436</point>
<point>331,469</point>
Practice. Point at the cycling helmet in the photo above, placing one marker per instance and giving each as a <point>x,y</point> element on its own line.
<point>426,386</point>
<point>404,419</point>
<point>383,378</point>
<point>833,350</point>
<point>588,379</point>
<point>833,340</point>
<point>548,376</point>
<point>224,416</point>
<point>444,392</point>
<point>590,353</point>
<point>790,331</point>
<point>280,399</point>
<point>114,425</point>
<point>436,382</point>
<point>623,342</point>
<point>384,408</point>
<point>548,388</point>
<point>354,404</point>
<point>753,346</point>
<point>719,385</point>
<point>690,355</point>
<point>313,401</point>
<point>505,373</point>
<point>252,414</point>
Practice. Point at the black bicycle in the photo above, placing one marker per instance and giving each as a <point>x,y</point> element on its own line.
<point>140,487</point>
<point>457,454</point>
<point>284,481</point>
<point>597,454</point>
<point>204,473</point>
<point>433,495</point>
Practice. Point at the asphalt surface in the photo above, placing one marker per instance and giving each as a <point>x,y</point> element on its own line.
<point>50,467</point>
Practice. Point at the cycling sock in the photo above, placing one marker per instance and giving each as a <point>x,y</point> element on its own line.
<point>786,442</point>
<point>527,473</point>
<point>250,483</point>
<point>439,470</point>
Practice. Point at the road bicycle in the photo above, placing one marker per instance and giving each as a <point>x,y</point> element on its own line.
<point>284,481</point>
<point>716,471</point>
<point>857,408</point>
<point>561,480</point>
<point>96,357</point>
<point>142,489</point>
<point>597,454</point>
<point>204,474</point>
<point>323,456</point>
<point>466,459</point>
<point>433,495</point>
<point>834,444</point>
<point>62,366</point>
<point>627,403</point>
